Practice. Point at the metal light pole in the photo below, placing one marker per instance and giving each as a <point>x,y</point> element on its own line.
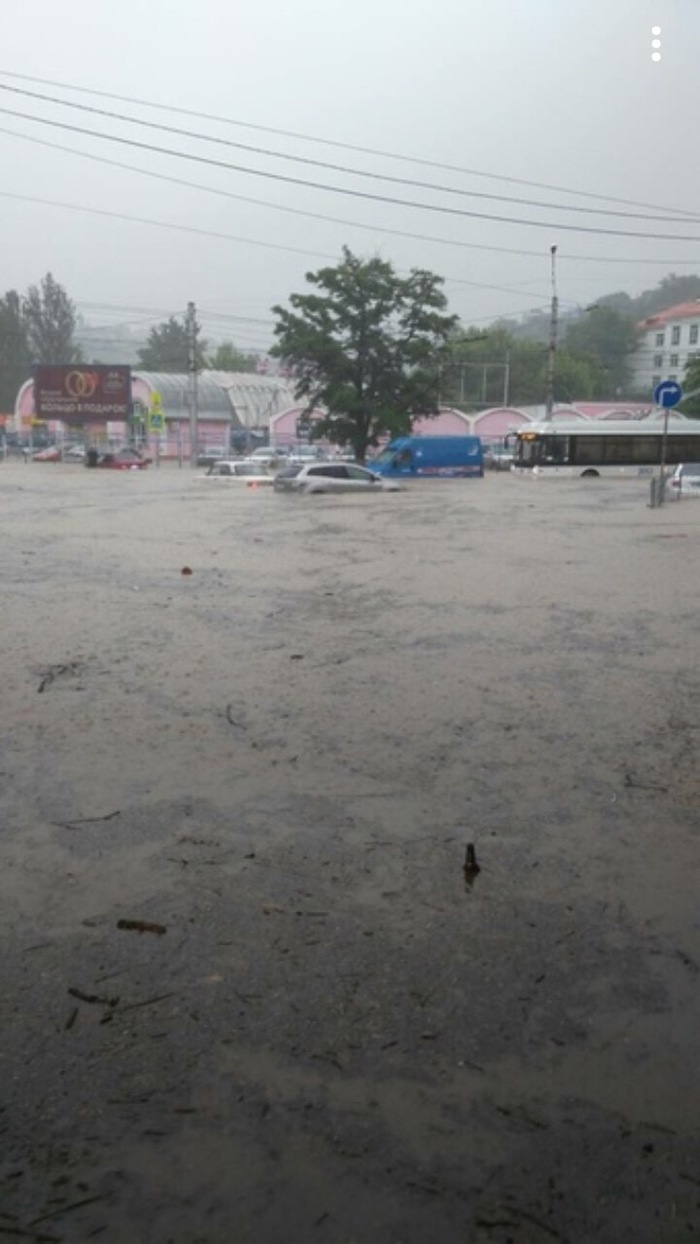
<point>191,323</point>
<point>554,317</point>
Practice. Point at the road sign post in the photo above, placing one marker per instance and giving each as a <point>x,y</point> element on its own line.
<point>667,394</point>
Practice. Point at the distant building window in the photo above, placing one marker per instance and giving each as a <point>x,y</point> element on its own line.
<point>659,339</point>
<point>655,380</point>
<point>673,360</point>
<point>675,335</point>
<point>693,334</point>
<point>658,360</point>
<point>672,376</point>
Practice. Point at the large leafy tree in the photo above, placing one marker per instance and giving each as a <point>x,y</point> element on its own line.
<point>367,347</point>
<point>227,358</point>
<point>167,348</point>
<point>15,359</point>
<point>50,321</point>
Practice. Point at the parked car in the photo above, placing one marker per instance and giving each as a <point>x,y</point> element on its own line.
<point>498,458</point>
<point>52,454</point>
<point>246,469</point>
<point>267,456</point>
<point>304,455</point>
<point>322,477</point>
<point>207,457</point>
<point>125,459</point>
<point>686,479</point>
<point>74,453</point>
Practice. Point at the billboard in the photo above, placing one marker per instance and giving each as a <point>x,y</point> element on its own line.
<point>78,394</point>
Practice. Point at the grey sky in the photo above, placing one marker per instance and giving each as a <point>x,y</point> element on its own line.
<point>554,91</point>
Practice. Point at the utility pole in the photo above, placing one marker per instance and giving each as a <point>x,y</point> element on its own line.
<point>553,322</point>
<point>506,379</point>
<point>191,324</point>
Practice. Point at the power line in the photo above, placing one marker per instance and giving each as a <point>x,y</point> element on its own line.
<point>297,211</point>
<point>337,168</point>
<point>346,146</point>
<point>439,208</point>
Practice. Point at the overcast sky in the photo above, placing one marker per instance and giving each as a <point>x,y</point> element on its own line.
<point>558,92</point>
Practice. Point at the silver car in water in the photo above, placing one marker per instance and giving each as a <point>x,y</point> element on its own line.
<point>323,477</point>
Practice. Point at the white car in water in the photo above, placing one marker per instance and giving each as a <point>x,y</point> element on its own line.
<point>685,480</point>
<point>244,471</point>
<point>321,477</point>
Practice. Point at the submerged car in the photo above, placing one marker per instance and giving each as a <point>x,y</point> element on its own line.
<point>267,456</point>
<point>207,457</point>
<point>125,459</point>
<point>251,473</point>
<point>686,479</point>
<point>51,454</point>
<point>332,477</point>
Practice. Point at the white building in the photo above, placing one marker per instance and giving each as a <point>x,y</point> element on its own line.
<point>669,340</point>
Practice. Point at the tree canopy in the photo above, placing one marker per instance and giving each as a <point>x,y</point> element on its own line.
<point>167,348</point>
<point>37,327</point>
<point>15,360</point>
<point>491,367</point>
<point>227,358</point>
<point>691,385</point>
<point>50,321</point>
<point>608,336</point>
<point>367,348</point>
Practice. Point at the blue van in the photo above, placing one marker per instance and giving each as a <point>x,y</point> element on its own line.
<point>414,457</point>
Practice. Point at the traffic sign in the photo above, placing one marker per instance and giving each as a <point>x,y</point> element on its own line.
<point>155,403</point>
<point>156,421</point>
<point>667,394</point>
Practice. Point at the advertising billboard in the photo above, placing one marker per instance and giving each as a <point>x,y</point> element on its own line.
<point>78,394</point>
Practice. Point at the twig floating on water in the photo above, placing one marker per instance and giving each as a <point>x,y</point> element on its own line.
<point>92,998</point>
<point>142,926</point>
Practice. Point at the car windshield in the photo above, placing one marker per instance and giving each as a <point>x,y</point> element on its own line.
<point>246,468</point>
<point>387,455</point>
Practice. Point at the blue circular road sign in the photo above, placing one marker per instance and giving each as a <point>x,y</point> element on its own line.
<point>667,394</point>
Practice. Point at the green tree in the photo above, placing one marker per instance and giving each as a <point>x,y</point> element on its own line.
<point>608,336</point>
<point>368,348</point>
<point>50,322</point>
<point>227,358</point>
<point>488,366</point>
<point>577,378</point>
<point>167,348</point>
<point>15,360</point>
<point>691,385</point>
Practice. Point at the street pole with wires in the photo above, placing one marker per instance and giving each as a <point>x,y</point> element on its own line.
<point>553,325</point>
<point>191,324</point>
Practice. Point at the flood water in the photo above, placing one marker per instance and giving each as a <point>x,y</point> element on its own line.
<point>249,993</point>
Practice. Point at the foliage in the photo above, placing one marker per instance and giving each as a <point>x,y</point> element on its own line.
<point>167,349</point>
<point>367,348</point>
<point>611,338</point>
<point>670,291</point>
<point>15,360</point>
<point>227,358</point>
<point>491,367</point>
<point>691,385</point>
<point>50,322</point>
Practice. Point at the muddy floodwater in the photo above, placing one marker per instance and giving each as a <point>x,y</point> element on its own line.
<point>249,993</point>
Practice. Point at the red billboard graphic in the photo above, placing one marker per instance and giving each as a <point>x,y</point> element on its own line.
<point>79,394</point>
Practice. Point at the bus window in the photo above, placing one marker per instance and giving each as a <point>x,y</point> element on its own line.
<point>588,450</point>
<point>555,450</point>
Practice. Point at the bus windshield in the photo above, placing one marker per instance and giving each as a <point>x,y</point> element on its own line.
<point>534,450</point>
